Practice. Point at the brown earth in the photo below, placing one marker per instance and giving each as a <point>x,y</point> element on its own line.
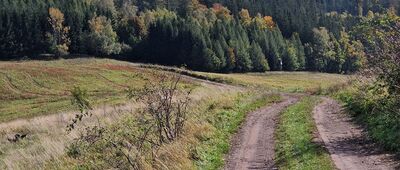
<point>253,146</point>
<point>346,142</point>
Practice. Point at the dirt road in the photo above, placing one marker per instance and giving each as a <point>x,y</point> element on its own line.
<point>253,146</point>
<point>346,142</point>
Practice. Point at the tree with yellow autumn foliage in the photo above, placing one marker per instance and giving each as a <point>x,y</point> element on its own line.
<point>102,40</point>
<point>245,17</point>
<point>58,37</point>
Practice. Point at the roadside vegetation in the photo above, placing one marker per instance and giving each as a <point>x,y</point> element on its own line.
<point>296,147</point>
<point>201,140</point>
<point>375,97</point>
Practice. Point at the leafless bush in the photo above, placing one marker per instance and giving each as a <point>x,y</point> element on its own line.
<point>136,140</point>
<point>165,108</point>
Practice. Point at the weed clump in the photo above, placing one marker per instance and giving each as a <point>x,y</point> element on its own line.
<point>135,141</point>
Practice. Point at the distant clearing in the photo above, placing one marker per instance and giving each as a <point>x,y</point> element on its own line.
<point>310,82</point>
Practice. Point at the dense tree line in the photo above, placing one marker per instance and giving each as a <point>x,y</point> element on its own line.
<point>208,35</point>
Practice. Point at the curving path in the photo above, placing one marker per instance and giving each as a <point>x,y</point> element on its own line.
<point>253,146</point>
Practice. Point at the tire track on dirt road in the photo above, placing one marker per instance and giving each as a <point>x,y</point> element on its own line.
<point>346,142</point>
<point>253,147</point>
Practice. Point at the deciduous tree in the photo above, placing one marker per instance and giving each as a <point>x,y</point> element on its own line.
<point>102,40</point>
<point>58,36</point>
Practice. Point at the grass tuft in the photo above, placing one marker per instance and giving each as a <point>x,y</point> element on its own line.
<point>295,148</point>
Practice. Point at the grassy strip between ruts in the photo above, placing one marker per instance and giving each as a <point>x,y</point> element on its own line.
<point>295,148</point>
<point>227,120</point>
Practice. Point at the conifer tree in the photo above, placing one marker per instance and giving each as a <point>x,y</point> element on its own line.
<point>260,63</point>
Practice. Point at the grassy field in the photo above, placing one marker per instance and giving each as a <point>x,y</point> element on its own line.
<point>29,89</point>
<point>33,89</point>
<point>308,82</point>
<point>286,81</point>
<point>295,147</point>
<point>47,136</point>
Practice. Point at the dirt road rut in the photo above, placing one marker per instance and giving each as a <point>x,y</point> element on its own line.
<point>345,141</point>
<point>253,146</point>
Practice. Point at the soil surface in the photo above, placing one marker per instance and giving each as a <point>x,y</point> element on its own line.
<point>346,142</point>
<point>253,146</point>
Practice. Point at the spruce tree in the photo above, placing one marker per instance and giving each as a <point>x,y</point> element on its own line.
<point>260,63</point>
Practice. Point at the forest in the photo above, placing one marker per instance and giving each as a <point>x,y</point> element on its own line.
<point>204,35</point>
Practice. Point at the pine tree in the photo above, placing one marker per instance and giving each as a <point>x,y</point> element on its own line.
<point>296,42</point>
<point>260,63</point>
<point>289,60</point>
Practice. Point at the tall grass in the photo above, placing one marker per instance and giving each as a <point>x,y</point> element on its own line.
<point>203,144</point>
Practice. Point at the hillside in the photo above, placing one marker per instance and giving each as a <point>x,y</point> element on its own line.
<point>39,92</point>
<point>34,88</point>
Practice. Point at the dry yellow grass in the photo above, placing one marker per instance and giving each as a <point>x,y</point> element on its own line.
<point>47,136</point>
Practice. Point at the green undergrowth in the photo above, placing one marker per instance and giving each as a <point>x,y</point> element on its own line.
<point>295,148</point>
<point>377,113</point>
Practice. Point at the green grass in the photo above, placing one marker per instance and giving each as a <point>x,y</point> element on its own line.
<point>308,82</point>
<point>295,148</point>
<point>226,121</point>
<point>286,81</point>
<point>34,88</point>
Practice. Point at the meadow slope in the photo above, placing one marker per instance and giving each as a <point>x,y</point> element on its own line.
<point>35,99</point>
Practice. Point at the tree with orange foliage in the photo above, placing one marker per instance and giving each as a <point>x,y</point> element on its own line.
<point>221,11</point>
<point>269,22</point>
